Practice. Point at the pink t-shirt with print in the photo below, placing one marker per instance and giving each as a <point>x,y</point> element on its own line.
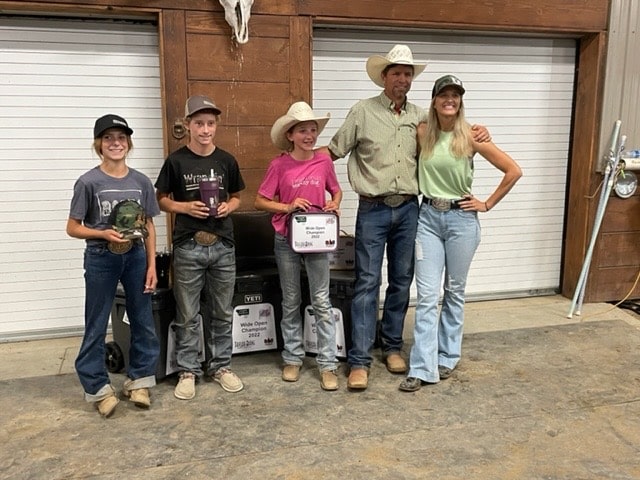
<point>287,179</point>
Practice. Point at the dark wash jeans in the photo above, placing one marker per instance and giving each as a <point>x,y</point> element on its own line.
<point>380,227</point>
<point>102,271</point>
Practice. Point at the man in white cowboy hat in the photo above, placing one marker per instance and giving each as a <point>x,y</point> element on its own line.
<point>380,132</point>
<point>298,179</point>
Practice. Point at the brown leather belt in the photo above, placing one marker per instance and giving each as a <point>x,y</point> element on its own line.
<point>392,201</point>
<point>206,239</point>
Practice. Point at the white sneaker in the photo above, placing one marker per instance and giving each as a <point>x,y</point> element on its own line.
<point>186,387</point>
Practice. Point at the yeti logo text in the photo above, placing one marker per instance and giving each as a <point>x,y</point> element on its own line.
<point>255,298</point>
<point>237,13</point>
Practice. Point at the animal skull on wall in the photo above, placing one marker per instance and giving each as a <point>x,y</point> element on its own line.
<point>237,13</point>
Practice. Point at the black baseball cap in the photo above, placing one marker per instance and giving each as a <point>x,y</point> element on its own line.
<point>447,81</point>
<point>108,121</point>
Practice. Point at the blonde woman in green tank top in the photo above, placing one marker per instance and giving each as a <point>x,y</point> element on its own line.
<point>448,230</point>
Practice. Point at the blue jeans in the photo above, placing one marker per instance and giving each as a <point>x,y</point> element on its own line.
<point>102,271</point>
<point>445,244</point>
<point>379,226</point>
<point>317,267</point>
<point>204,279</point>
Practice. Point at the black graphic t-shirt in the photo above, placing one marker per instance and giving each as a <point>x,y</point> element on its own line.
<point>180,176</point>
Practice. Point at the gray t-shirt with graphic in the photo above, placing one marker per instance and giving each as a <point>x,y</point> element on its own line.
<point>95,195</point>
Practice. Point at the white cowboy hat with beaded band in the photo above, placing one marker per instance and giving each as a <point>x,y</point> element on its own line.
<point>398,55</point>
<point>298,112</point>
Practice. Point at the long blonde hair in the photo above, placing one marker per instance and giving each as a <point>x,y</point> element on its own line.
<point>462,143</point>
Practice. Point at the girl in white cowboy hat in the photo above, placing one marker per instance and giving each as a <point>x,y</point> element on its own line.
<point>298,179</point>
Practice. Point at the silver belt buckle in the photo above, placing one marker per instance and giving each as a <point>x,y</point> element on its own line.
<point>441,204</point>
<point>394,201</point>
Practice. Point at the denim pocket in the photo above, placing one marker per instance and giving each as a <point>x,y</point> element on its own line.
<point>187,246</point>
<point>366,207</point>
<point>96,249</point>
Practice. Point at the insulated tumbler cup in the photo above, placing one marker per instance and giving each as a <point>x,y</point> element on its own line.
<point>209,194</point>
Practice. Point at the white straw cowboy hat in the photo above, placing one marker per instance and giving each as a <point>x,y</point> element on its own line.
<point>398,55</point>
<point>298,112</point>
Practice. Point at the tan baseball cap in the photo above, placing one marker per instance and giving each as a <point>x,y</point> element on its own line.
<point>197,103</point>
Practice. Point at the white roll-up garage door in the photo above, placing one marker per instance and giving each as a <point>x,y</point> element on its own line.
<point>56,77</point>
<point>521,89</point>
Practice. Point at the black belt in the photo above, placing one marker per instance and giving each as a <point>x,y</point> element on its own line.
<point>442,204</point>
<point>394,200</point>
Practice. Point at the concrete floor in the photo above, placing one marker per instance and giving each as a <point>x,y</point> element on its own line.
<point>536,396</point>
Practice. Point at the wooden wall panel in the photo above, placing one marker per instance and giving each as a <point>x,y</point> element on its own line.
<point>300,66</point>
<point>247,104</point>
<point>253,149</point>
<point>614,284</point>
<point>252,179</point>
<point>619,250</point>
<point>260,26</point>
<point>113,7</point>
<point>541,15</point>
<point>250,145</point>
<point>213,57</point>
<point>173,64</point>
<point>616,260</point>
<point>622,215</point>
<point>582,181</point>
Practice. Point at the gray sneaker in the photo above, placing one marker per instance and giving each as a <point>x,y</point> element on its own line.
<point>228,380</point>
<point>444,372</point>
<point>186,387</point>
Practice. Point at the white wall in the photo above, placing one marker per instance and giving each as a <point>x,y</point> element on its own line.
<point>56,78</point>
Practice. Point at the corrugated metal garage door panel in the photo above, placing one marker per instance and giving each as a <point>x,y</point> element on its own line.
<point>522,90</point>
<point>57,77</point>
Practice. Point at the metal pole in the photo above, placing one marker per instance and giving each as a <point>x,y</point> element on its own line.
<point>607,182</point>
<point>610,181</point>
<point>611,178</point>
<point>612,162</point>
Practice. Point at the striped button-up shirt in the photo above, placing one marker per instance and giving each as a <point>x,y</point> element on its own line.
<point>383,146</point>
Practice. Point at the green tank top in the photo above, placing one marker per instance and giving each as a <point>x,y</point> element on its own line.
<point>442,175</point>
